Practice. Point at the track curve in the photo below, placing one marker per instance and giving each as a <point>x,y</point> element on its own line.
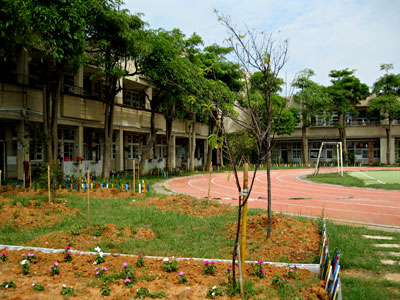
<point>291,194</point>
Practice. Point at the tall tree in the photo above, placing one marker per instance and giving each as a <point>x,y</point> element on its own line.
<point>346,91</point>
<point>313,101</point>
<point>387,104</point>
<point>114,38</point>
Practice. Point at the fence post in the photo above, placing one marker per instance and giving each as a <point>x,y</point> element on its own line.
<point>48,182</point>
<point>209,181</point>
<point>88,199</point>
<point>134,175</point>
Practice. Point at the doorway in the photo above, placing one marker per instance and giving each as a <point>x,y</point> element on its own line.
<point>284,156</point>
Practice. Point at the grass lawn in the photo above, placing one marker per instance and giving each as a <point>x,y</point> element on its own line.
<point>350,180</point>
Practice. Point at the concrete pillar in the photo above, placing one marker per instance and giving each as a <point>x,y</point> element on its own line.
<point>78,81</point>
<point>383,150</point>
<point>78,142</point>
<point>22,150</point>
<point>119,147</point>
<point>173,154</point>
<point>393,150</point>
<point>23,66</point>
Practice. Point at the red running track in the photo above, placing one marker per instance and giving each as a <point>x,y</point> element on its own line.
<point>291,194</point>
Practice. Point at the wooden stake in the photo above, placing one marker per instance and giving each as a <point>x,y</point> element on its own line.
<point>48,182</point>
<point>240,271</point>
<point>244,217</point>
<point>88,199</point>
<point>0,177</point>
<point>209,182</point>
<point>80,176</point>
<point>134,175</point>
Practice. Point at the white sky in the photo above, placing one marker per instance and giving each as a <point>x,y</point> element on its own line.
<point>323,34</point>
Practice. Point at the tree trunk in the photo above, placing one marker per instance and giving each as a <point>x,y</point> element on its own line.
<point>389,138</point>
<point>149,144</point>
<point>108,135</point>
<point>304,145</point>
<point>170,143</point>
<point>342,134</point>
<point>192,144</point>
<point>211,126</point>
<point>54,114</point>
<point>46,121</point>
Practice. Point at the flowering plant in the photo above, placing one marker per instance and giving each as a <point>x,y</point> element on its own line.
<point>3,256</point>
<point>25,266</point>
<point>31,257</point>
<point>280,282</point>
<point>258,269</point>
<point>67,254</point>
<point>228,272</point>
<point>99,259</point>
<point>182,277</point>
<point>170,266</point>
<point>100,272</point>
<point>214,292</point>
<point>140,261</point>
<point>292,271</point>
<point>128,272</point>
<point>66,290</point>
<point>54,269</point>
<point>209,267</point>
<point>7,284</point>
<point>105,290</point>
<point>128,282</point>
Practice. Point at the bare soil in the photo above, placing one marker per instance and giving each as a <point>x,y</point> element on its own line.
<point>80,274</point>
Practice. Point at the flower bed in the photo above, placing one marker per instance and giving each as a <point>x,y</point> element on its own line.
<point>127,277</point>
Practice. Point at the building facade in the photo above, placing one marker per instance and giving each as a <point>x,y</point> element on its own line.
<point>81,123</point>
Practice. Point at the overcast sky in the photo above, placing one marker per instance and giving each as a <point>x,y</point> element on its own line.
<point>323,34</point>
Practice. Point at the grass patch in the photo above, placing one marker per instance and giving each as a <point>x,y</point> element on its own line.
<point>348,180</point>
<point>367,289</point>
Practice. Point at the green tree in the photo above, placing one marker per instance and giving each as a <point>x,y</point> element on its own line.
<point>114,38</point>
<point>386,104</point>
<point>313,100</point>
<point>346,91</point>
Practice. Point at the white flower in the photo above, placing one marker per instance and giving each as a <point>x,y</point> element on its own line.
<point>97,249</point>
<point>101,254</point>
<point>23,262</point>
<point>33,284</point>
<point>7,286</point>
<point>165,259</point>
<point>213,294</point>
<point>214,287</point>
<point>95,263</point>
<point>64,285</point>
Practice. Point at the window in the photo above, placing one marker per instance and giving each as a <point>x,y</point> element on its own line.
<point>68,83</point>
<point>132,146</point>
<point>66,143</point>
<point>161,147</point>
<point>36,151</point>
<point>134,99</point>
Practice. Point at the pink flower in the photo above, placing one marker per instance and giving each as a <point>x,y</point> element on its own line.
<point>206,262</point>
<point>140,255</point>
<point>229,268</point>
<point>124,264</point>
<point>96,268</point>
<point>295,265</point>
<point>68,252</point>
<point>67,247</point>
<point>263,271</point>
<point>127,280</point>
<point>181,273</point>
<point>291,270</point>
<point>56,263</point>
<point>30,254</point>
<point>4,252</point>
<point>22,254</point>
<point>260,261</point>
<point>104,268</point>
<point>259,213</point>
<point>97,273</point>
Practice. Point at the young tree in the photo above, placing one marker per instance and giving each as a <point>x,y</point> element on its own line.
<point>346,91</point>
<point>114,38</point>
<point>313,101</point>
<point>387,103</point>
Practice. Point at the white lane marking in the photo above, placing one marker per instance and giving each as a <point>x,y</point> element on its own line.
<point>370,177</point>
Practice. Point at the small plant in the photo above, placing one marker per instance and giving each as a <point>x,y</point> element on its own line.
<point>140,261</point>
<point>258,269</point>
<point>67,254</point>
<point>144,292</point>
<point>128,272</point>
<point>3,256</point>
<point>25,266</point>
<point>214,292</point>
<point>128,282</point>
<point>292,272</point>
<point>54,269</point>
<point>279,282</point>
<point>100,272</point>
<point>99,259</point>
<point>170,266</point>
<point>182,277</point>
<point>31,257</point>
<point>7,285</point>
<point>67,290</point>
<point>209,267</point>
<point>37,287</point>
<point>105,291</point>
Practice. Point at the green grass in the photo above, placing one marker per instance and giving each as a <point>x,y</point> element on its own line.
<point>378,177</point>
<point>348,180</point>
<point>354,288</point>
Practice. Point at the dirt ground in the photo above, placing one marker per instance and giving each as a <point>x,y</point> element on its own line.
<point>80,274</point>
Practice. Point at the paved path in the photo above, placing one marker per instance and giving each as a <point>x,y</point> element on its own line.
<point>291,194</point>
